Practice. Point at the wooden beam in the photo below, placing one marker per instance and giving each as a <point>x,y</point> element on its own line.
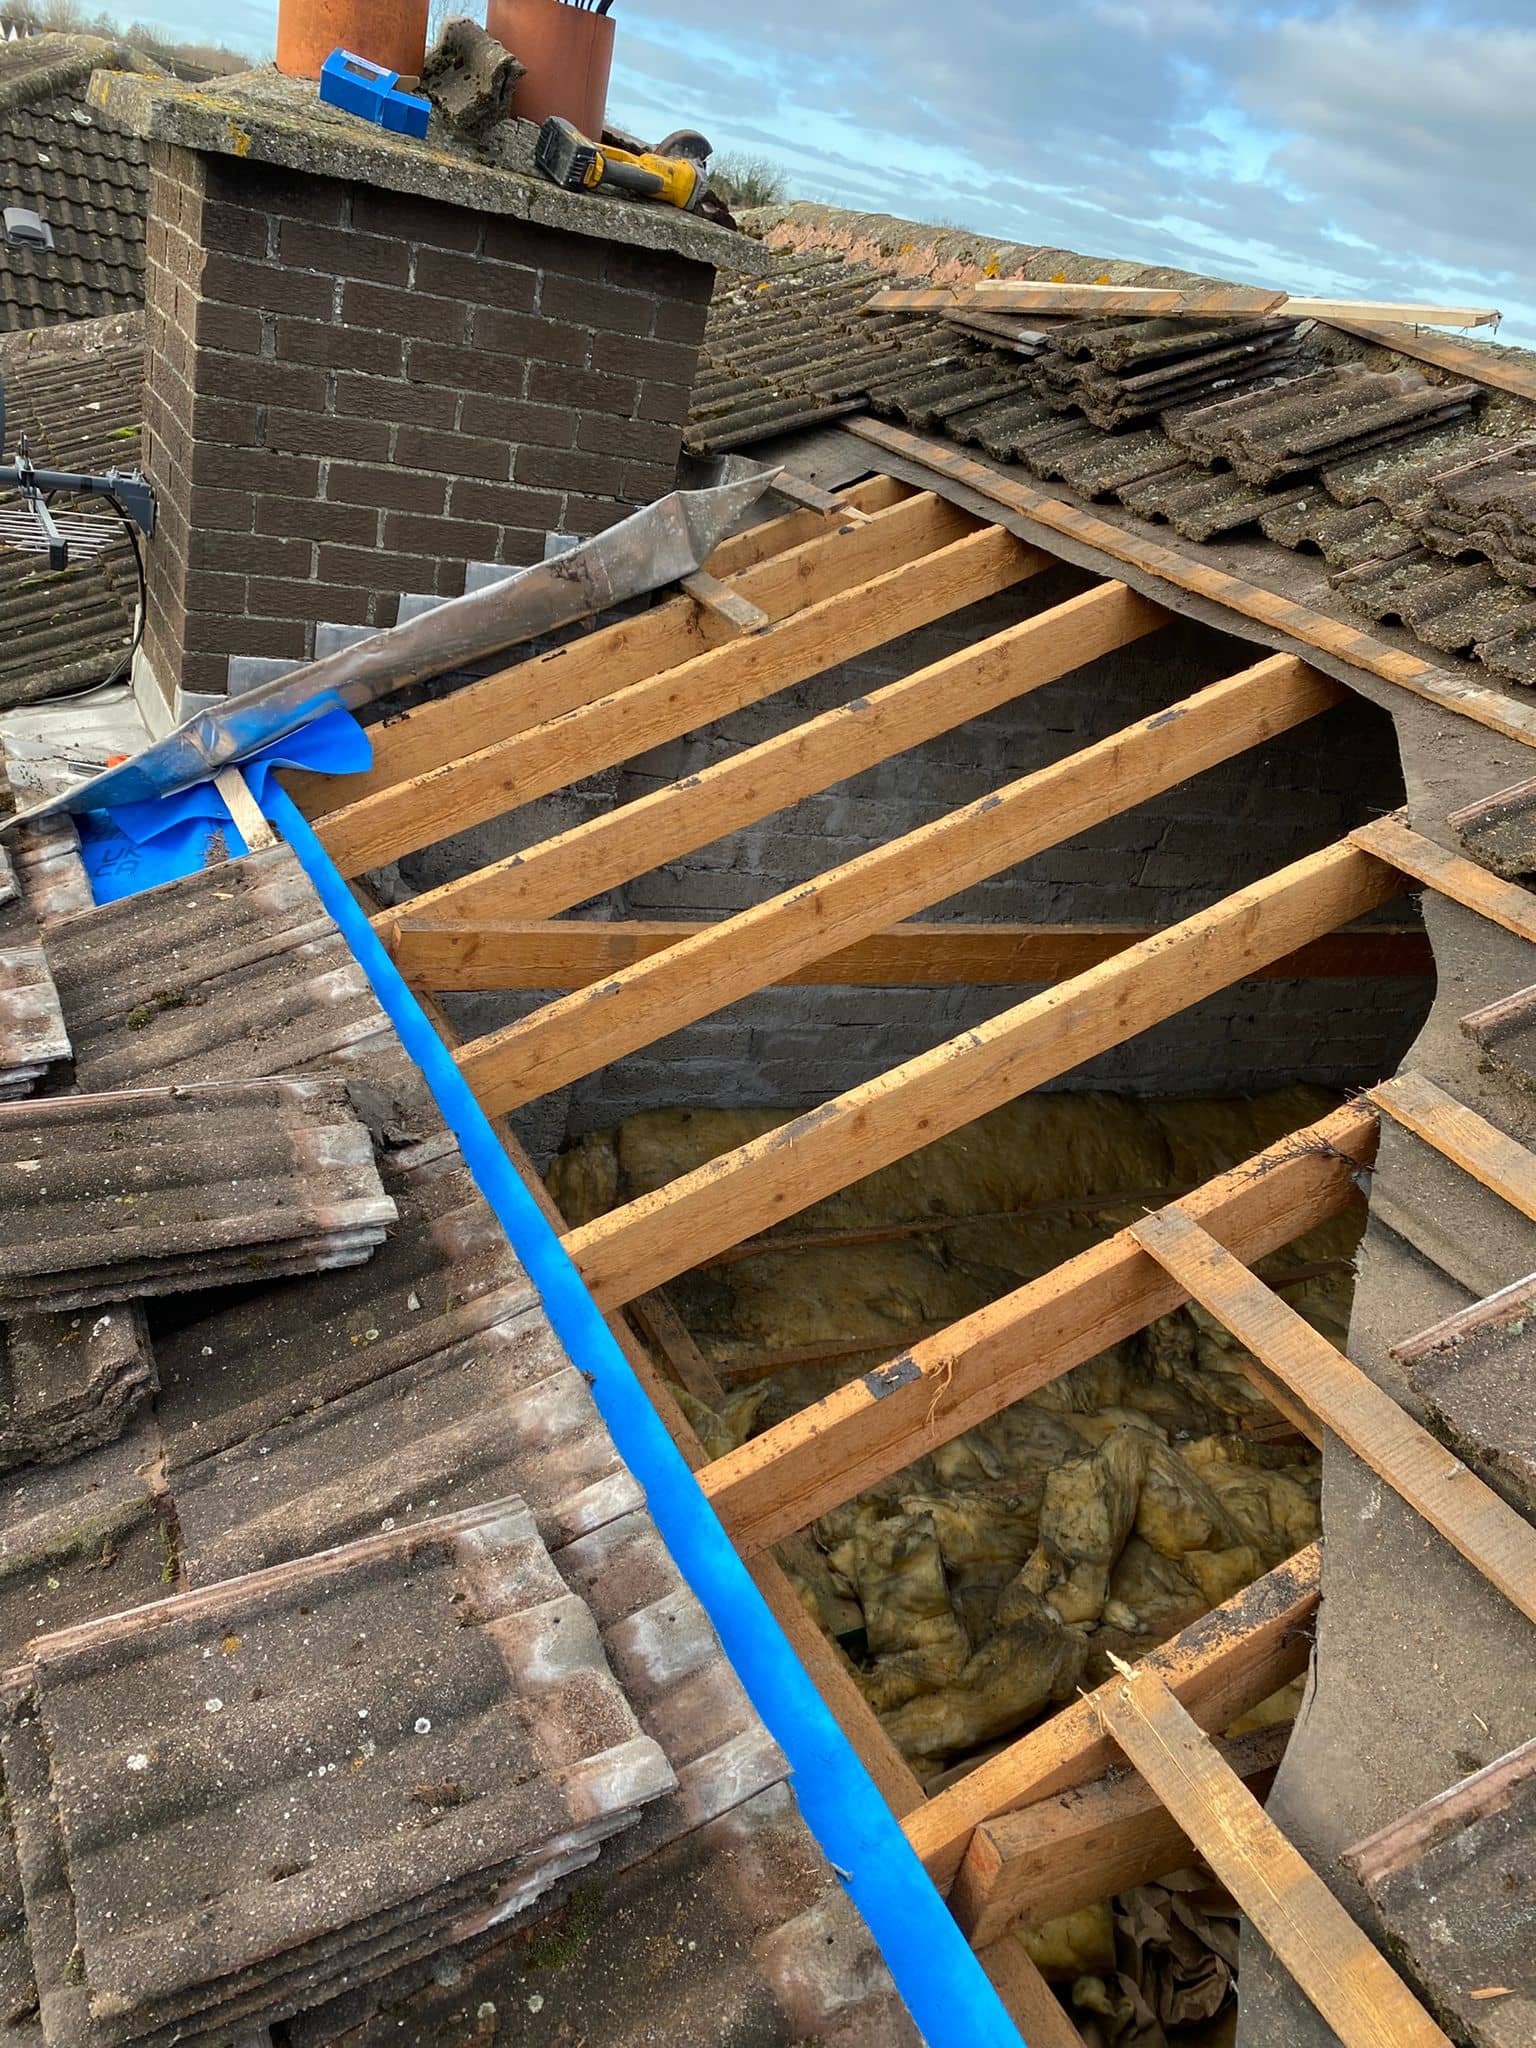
<point>738,612</point>
<point>1504,714</point>
<point>1041,2019</point>
<point>870,1428</point>
<point>1310,1933</point>
<point>1110,301</point>
<point>1087,1844</point>
<point>1468,1140</point>
<point>855,506</point>
<point>613,728</point>
<point>591,858</point>
<point>581,1032</point>
<point>1450,874</point>
<point>1513,371</point>
<point>1394,312</point>
<point>1222,1666</point>
<point>778,580</point>
<point>1433,1481</point>
<point>243,808</point>
<point>574,952</point>
<point>786,1170</point>
<point>1020,295</point>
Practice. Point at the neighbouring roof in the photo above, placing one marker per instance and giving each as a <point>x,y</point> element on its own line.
<point>87,179</point>
<point>75,391</point>
<point>1415,484</point>
<point>336,1630</point>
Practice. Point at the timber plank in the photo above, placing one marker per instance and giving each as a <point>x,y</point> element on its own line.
<point>1311,1935</point>
<point>777,536</point>
<point>1468,1140</point>
<point>660,1235</point>
<point>592,735</point>
<point>1041,2019</point>
<point>871,1427</point>
<point>1202,579</point>
<point>1221,1667</point>
<point>1469,1514</point>
<point>759,780</point>
<point>1451,874</point>
<point>778,579</point>
<point>581,1032</point>
<point>559,953</point>
<point>1078,1847</point>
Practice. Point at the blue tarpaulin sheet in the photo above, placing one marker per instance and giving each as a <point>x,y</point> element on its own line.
<point>939,1978</point>
<point>136,846</point>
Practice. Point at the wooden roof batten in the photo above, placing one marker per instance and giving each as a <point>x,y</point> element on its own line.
<point>828,592</point>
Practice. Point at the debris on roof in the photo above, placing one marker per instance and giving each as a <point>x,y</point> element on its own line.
<point>155,1191</point>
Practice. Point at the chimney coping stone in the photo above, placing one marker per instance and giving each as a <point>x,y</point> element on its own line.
<point>263,117</point>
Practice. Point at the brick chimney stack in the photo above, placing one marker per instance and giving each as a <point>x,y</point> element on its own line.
<point>367,365</point>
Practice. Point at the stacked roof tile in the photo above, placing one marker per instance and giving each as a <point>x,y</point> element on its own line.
<point>1402,478</point>
<point>70,1383</point>
<point>249,1792</point>
<point>338,1631</point>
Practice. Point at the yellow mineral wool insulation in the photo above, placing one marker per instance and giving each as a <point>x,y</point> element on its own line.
<point>979,1587</point>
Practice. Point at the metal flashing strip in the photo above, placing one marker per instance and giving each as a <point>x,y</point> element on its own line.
<point>936,1973</point>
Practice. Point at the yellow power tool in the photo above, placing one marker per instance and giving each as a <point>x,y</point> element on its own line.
<point>674,172</point>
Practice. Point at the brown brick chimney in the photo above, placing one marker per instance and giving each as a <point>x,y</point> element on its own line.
<point>367,363</point>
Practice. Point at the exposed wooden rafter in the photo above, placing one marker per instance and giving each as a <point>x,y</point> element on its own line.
<point>764,944</point>
<point>1362,1999</point>
<point>871,1427</point>
<point>660,1235</point>
<point>1451,874</point>
<point>1488,1532</point>
<point>600,731</point>
<point>1222,1666</point>
<point>805,562</point>
<point>557,953</point>
<point>759,780</point>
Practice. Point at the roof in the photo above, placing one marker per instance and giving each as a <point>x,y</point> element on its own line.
<point>325,1567</point>
<point>1416,484</point>
<point>87,179</point>
<point>74,391</point>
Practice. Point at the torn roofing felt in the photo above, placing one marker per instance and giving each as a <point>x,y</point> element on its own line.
<point>351,1635</point>
<point>1415,484</point>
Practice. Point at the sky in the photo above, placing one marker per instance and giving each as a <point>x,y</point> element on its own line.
<point>1361,148</point>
